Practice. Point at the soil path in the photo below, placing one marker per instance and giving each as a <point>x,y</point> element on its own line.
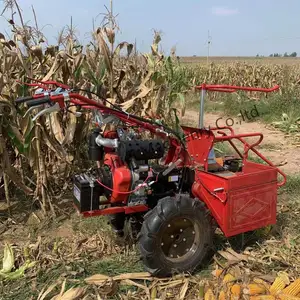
<point>278,148</point>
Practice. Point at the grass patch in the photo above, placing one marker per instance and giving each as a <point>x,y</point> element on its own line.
<point>26,288</point>
<point>292,186</point>
<point>91,225</point>
<point>115,265</point>
<point>193,103</point>
<point>268,110</point>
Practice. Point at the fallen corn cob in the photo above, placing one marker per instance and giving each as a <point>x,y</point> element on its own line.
<point>222,295</point>
<point>253,289</point>
<point>293,289</point>
<point>228,278</point>
<point>287,297</point>
<point>263,297</point>
<point>235,292</point>
<point>281,281</point>
<point>209,295</point>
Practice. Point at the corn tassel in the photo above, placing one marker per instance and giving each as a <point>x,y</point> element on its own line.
<point>293,289</point>
<point>253,289</point>
<point>209,295</point>
<point>281,281</point>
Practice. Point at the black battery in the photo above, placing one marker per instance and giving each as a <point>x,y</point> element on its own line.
<point>86,198</point>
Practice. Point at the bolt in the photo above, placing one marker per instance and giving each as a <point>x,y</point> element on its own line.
<point>162,244</point>
<point>193,232</point>
<point>184,239</point>
<point>175,245</point>
<point>172,236</point>
<point>169,225</point>
<point>181,230</point>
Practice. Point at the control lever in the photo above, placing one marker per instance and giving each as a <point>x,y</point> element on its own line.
<point>32,108</point>
<point>47,110</point>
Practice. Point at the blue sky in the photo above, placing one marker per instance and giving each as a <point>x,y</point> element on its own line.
<point>237,27</point>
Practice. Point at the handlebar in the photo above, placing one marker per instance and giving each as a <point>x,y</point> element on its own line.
<point>23,99</point>
<point>38,101</point>
<point>233,88</point>
<point>60,100</point>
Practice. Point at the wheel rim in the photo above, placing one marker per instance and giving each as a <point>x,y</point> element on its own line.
<point>179,239</point>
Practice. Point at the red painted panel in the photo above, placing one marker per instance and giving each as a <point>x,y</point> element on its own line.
<point>250,198</point>
<point>250,209</point>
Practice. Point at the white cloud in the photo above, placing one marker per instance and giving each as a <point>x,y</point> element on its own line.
<point>224,11</point>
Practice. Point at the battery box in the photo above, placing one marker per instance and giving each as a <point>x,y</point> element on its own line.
<point>86,198</point>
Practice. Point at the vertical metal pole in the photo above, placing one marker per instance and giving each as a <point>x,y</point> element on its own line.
<point>208,44</point>
<point>201,113</point>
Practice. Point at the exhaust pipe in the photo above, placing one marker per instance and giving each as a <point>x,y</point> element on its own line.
<point>101,141</point>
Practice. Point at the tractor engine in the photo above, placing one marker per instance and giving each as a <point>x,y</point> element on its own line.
<point>129,174</point>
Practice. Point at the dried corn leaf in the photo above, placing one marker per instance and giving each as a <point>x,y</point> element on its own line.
<point>104,50</point>
<point>129,103</point>
<point>44,293</point>
<point>71,294</point>
<point>97,279</point>
<point>232,256</point>
<point>183,290</point>
<point>136,276</point>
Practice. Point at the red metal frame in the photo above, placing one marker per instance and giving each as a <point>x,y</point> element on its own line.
<point>240,201</point>
<point>233,88</point>
<point>115,210</point>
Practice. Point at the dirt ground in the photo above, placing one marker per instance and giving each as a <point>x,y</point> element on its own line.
<point>276,146</point>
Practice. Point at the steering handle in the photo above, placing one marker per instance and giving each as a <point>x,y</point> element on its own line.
<point>39,101</point>
<point>234,88</point>
<point>23,99</point>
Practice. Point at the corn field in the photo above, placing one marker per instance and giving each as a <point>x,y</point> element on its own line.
<point>37,157</point>
<point>250,74</point>
<point>33,155</point>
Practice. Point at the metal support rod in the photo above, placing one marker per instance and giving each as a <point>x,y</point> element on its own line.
<point>201,113</point>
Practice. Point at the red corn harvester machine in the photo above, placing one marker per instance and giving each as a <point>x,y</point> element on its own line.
<point>173,191</point>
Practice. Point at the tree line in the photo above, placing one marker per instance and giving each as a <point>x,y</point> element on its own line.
<point>293,54</point>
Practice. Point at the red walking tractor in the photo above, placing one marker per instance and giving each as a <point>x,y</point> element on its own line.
<point>172,190</point>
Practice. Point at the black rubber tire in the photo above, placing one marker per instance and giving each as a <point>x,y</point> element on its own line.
<point>149,245</point>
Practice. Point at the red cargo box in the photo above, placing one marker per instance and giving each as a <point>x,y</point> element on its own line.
<point>241,201</point>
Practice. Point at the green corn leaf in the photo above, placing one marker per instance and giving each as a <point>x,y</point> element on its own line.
<point>16,137</point>
<point>20,272</point>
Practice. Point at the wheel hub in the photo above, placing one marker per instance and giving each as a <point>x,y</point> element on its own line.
<point>179,239</point>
